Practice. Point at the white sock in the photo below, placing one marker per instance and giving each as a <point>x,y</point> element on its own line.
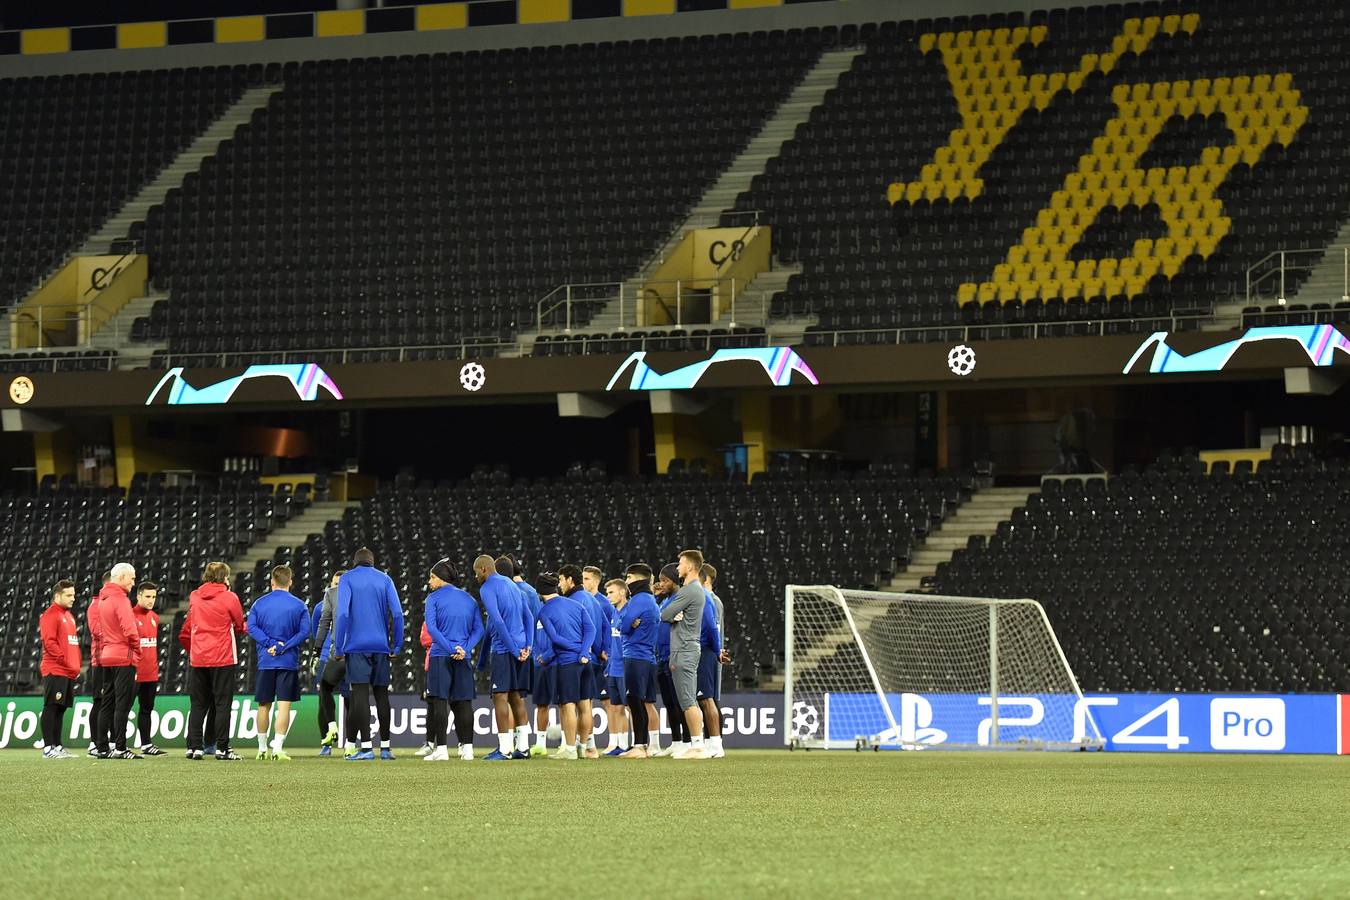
<point>541,739</point>
<point>590,742</point>
<point>365,745</point>
<point>262,742</point>
<point>504,742</point>
<point>613,742</point>
<point>698,741</point>
<point>332,726</point>
<point>715,743</point>
<point>444,748</point>
<point>278,741</point>
<point>384,745</point>
<point>623,741</point>
<point>654,740</point>
<point>522,738</point>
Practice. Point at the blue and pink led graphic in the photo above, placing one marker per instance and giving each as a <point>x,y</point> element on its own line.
<point>306,378</point>
<point>779,363</point>
<point>1320,342</point>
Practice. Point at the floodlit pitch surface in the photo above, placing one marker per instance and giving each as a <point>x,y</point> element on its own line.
<point>755,824</point>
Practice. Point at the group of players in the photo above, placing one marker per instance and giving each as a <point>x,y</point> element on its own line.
<point>556,640</point>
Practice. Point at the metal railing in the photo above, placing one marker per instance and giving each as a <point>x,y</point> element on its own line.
<point>48,320</point>
<point>562,303</point>
<point>335,355</point>
<point>1175,321</point>
<point>1271,272</point>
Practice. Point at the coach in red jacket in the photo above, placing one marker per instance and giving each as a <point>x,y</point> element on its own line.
<point>214,618</point>
<point>119,650</point>
<point>60,668</point>
<point>95,680</point>
<point>147,670</point>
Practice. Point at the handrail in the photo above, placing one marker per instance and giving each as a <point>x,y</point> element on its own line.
<point>544,309</point>
<point>1278,263</point>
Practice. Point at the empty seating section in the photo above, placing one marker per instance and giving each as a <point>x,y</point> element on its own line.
<point>77,147</point>
<point>58,361</point>
<point>1102,163</point>
<point>1181,581</point>
<point>782,528</point>
<point>431,200</point>
<point>167,533</point>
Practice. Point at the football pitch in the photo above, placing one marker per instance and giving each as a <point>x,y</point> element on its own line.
<point>756,824</point>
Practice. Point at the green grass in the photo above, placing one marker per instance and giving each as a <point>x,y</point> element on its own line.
<point>753,825</point>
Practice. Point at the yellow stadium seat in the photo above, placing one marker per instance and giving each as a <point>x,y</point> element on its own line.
<point>1141,196</point>
<point>1251,155</point>
<point>1164,246</point>
<point>1128,268</point>
<point>932,191</point>
<point>1150,26</point>
<point>1186,106</point>
<point>1037,35</point>
<point>1093,287</point>
<point>1242,84</point>
<point>952,189</point>
<point>965,293</point>
<point>1148,268</point>
<point>1155,178</point>
<point>1107,268</point>
<point>983,37</point>
<point>1200,87</point>
<point>1003,272</point>
<point>1130,27</point>
<point>927,42</point>
<point>987,293</point>
<point>1042,272</point>
<point>914,192</point>
<point>1206,246</point>
<point>1017,254</point>
<point>1171,24</point>
<point>1121,198</point>
<point>1112,287</point>
<point>1139,92</point>
<point>1070,288</point>
<point>1063,267</point>
<point>1261,84</point>
<point>1135,286</point>
<point>1221,86</point>
<point>963,39</point>
<point>1049,290</point>
<point>1190,22</point>
<point>1028,290</point>
<point>1022,272</point>
<point>1285,136</point>
<point>1139,44</point>
<point>1207,105</point>
<point>1007,292</point>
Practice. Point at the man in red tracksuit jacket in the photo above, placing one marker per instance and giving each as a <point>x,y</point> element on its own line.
<point>60,668</point>
<point>147,670</point>
<point>119,652</point>
<point>95,683</point>
<point>214,617</point>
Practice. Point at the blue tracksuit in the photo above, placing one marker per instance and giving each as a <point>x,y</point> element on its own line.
<point>366,604</point>
<point>599,620</point>
<point>710,639</point>
<point>570,630</point>
<point>543,647</point>
<point>279,617</point>
<point>532,601</point>
<point>508,621</point>
<point>639,621</point>
<point>663,633</point>
<point>453,620</point>
<point>615,667</point>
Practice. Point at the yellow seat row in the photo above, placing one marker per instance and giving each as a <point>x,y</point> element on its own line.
<point>1052,289</point>
<point>984,38</point>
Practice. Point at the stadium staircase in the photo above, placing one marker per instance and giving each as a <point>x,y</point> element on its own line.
<point>293,534</point>
<point>795,110</point>
<point>116,332</point>
<point>1326,282</point>
<point>978,516</point>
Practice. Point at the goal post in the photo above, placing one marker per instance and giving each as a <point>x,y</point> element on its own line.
<point>873,669</point>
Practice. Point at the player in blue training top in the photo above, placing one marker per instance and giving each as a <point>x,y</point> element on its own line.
<point>616,592</point>
<point>667,583</point>
<point>638,621</point>
<point>571,634</point>
<point>507,567</point>
<point>456,627</point>
<point>510,650</point>
<point>330,674</point>
<point>591,580</point>
<point>367,610</point>
<point>570,585</point>
<point>278,623</point>
<point>710,664</point>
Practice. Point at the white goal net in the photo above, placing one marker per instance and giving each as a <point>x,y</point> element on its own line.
<point>875,669</point>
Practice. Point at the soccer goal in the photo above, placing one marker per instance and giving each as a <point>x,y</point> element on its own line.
<point>869,669</point>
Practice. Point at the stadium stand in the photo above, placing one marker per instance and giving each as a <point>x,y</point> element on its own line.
<point>77,147</point>
<point>167,533</point>
<point>433,200</point>
<point>1188,141</point>
<point>1175,579</point>
<point>788,525</point>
